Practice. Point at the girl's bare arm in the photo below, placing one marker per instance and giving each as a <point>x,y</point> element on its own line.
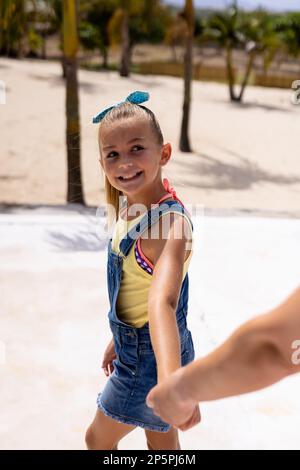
<point>169,256</point>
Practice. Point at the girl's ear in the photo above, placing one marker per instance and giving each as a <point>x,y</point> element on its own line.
<point>165,154</point>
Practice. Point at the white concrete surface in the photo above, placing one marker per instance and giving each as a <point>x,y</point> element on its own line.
<point>53,326</point>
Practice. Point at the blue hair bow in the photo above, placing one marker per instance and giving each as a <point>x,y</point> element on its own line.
<point>137,97</point>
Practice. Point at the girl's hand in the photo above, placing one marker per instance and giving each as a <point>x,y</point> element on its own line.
<point>108,357</point>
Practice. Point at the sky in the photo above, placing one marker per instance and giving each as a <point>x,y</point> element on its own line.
<point>276,5</point>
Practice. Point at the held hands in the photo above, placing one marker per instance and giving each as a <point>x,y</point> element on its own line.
<point>108,357</point>
<point>167,401</point>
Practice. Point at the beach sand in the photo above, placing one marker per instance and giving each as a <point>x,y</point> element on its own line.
<point>244,157</point>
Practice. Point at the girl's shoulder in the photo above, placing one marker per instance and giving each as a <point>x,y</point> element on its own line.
<point>173,215</point>
<point>153,239</point>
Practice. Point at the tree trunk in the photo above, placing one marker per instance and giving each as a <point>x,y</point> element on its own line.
<point>125,60</point>
<point>105,49</point>
<point>230,73</point>
<point>104,52</point>
<point>1,40</point>
<point>173,48</point>
<point>44,47</point>
<point>7,43</point>
<point>74,190</point>
<point>247,76</point>
<point>19,49</point>
<point>189,16</point>
<point>63,66</point>
<point>184,144</point>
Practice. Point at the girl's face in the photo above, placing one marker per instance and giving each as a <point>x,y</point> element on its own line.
<point>130,155</point>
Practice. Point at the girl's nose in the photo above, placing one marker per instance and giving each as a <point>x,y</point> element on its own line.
<point>125,165</point>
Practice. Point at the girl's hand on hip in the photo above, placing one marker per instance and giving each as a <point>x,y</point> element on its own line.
<point>108,357</point>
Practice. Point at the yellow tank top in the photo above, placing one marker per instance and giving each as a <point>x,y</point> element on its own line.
<point>132,298</point>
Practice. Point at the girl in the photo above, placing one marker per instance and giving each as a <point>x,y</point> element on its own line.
<point>146,275</point>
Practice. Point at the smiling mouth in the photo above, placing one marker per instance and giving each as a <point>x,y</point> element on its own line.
<point>121,178</point>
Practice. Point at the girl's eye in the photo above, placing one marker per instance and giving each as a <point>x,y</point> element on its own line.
<point>110,154</point>
<point>138,147</point>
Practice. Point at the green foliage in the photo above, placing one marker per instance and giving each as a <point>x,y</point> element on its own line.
<point>259,35</point>
<point>288,29</point>
<point>35,42</point>
<point>147,21</point>
<point>94,16</point>
<point>55,15</point>
<point>12,25</point>
<point>24,23</point>
<point>254,32</point>
<point>90,36</point>
<point>175,34</point>
<point>149,24</point>
<point>223,28</point>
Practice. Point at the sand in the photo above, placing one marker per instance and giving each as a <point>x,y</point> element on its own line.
<point>245,157</point>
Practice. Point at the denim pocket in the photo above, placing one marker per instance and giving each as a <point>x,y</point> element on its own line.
<point>129,349</point>
<point>117,344</point>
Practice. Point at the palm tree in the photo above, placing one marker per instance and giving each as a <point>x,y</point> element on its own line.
<point>174,36</point>
<point>223,28</point>
<point>118,30</point>
<point>70,46</point>
<point>188,15</point>
<point>56,19</point>
<point>260,38</point>
<point>94,19</point>
<point>136,21</point>
<point>254,33</point>
<point>125,55</point>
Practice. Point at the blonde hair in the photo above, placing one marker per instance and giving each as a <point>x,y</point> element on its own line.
<point>124,111</point>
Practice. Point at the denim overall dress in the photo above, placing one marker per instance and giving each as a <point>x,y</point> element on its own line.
<point>135,373</point>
